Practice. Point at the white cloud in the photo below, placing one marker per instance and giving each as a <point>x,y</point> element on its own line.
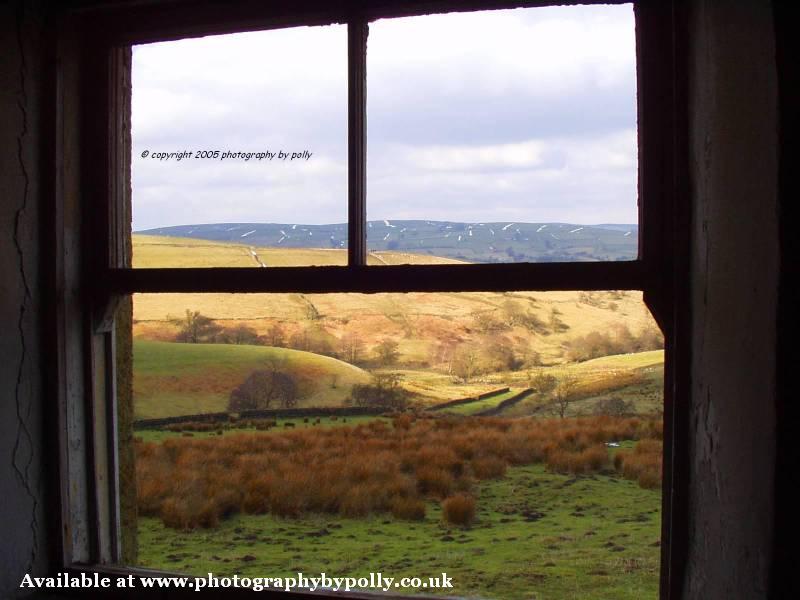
<point>466,158</point>
<point>518,115</point>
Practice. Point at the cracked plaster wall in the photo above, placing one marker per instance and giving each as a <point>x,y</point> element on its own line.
<point>22,503</point>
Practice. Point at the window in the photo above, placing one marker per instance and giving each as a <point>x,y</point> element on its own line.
<point>95,274</point>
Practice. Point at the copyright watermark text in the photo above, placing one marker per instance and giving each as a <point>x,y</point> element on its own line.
<point>259,156</point>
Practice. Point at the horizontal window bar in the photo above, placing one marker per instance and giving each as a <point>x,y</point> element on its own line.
<point>145,23</point>
<point>628,275</point>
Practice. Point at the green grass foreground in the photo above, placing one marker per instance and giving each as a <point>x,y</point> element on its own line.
<point>473,408</point>
<point>538,535</point>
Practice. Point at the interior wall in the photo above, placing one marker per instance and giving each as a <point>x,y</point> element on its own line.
<point>22,502</point>
<point>734,277</point>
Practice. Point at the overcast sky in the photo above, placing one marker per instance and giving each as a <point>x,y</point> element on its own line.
<point>518,115</point>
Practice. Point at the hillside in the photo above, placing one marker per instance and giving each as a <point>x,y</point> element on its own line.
<point>173,379</point>
<point>177,252</point>
<point>506,334</point>
<point>472,242</point>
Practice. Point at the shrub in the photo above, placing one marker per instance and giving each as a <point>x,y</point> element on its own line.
<point>261,389</point>
<point>357,501</point>
<point>650,479</point>
<point>577,462</point>
<point>614,406</point>
<point>373,468</point>
<point>433,481</point>
<point>459,510</point>
<point>409,509</point>
<point>489,467</point>
<point>642,464</point>
<point>385,393</point>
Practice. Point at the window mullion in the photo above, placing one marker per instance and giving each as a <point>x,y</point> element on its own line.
<point>357,31</point>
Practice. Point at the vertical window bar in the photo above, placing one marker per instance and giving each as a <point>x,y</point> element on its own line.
<point>357,31</point>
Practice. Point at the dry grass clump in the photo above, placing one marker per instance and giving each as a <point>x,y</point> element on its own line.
<point>370,468</point>
<point>588,460</point>
<point>642,464</point>
<point>489,467</point>
<point>409,509</point>
<point>459,510</point>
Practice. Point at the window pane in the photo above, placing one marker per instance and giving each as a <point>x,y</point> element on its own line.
<point>511,441</point>
<point>503,136</point>
<point>240,149</point>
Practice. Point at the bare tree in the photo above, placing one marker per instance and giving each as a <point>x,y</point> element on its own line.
<point>195,328</point>
<point>276,335</point>
<point>541,382</point>
<point>387,352</point>
<point>239,334</point>
<point>352,347</point>
<point>466,362</point>
<point>264,388</point>
<point>564,393</point>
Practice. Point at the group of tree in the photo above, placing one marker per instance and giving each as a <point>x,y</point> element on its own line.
<point>270,387</point>
<point>467,359</point>
<point>511,313</point>
<point>385,393</point>
<point>619,341</point>
<point>614,407</point>
<point>196,328</point>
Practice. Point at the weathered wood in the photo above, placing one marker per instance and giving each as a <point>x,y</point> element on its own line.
<point>95,204</point>
<point>357,31</point>
<point>393,278</point>
<point>153,22</point>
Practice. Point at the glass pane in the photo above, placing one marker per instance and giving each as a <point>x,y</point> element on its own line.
<point>240,150</point>
<point>503,136</point>
<point>509,440</point>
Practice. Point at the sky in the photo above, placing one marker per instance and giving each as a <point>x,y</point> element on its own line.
<point>524,115</point>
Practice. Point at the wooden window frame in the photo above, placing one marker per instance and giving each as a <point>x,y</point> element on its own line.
<point>91,272</point>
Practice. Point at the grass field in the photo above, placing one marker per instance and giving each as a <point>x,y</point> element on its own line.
<point>176,379</point>
<point>636,378</point>
<point>472,408</point>
<point>538,535</point>
<point>556,521</point>
<point>416,321</point>
<point>173,378</point>
<point>182,252</point>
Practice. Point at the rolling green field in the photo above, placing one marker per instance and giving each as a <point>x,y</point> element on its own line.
<point>174,379</point>
<point>472,408</point>
<point>538,535</point>
<point>637,379</point>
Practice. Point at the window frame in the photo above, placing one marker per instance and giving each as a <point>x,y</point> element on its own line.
<point>91,225</point>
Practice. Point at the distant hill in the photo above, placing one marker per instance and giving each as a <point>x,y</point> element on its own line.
<point>471,242</point>
<point>172,379</point>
